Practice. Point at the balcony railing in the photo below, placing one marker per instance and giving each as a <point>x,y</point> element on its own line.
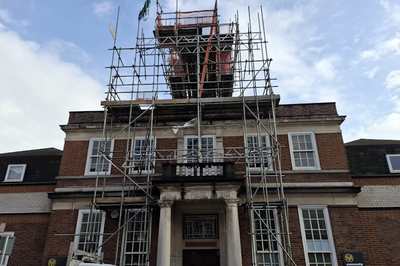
<point>221,170</point>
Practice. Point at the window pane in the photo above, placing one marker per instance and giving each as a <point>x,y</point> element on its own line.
<point>317,243</point>
<point>302,146</point>
<point>395,162</point>
<point>15,172</point>
<point>295,142</point>
<point>207,154</point>
<point>97,162</point>
<point>267,246</point>
<point>89,231</point>
<point>322,224</point>
<point>95,150</point>
<point>143,155</point>
<point>136,238</point>
<point>303,152</point>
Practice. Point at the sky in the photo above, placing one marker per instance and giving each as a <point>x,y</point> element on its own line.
<point>54,54</point>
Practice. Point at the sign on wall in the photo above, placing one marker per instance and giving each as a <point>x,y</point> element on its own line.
<point>56,261</point>
<point>353,259</point>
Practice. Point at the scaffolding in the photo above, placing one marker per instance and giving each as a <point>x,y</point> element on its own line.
<point>193,71</point>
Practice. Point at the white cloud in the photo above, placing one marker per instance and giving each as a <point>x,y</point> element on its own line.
<point>316,49</point>
<point>371,73</point>
<point>39,89</point>
<point>6,17</point>
<point>387,127</point>
<point>368,122</point>
<point>73,52</point>
<point>393,12</point>
<point>326,67</point>
<point>389,47</point>
<point>103,8</point>
<point>393,79</point>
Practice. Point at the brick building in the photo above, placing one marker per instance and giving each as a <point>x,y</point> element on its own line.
<point>320,189</point>
<point>375,166</point>
<point>25,179</point>
<point>194,161</point>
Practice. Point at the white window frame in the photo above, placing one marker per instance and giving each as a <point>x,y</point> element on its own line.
<point>79,227</point>
<point>314,150</point>
<point>267,156</point>
<point>185,153</point>
<point>6,257</point>
<point>90,156</point>
<point>152,150</point>
<point>259,231</point>
<point>143,222</point>
<point>6,179</point>
<point>388,156</point>
<point>331,243</point>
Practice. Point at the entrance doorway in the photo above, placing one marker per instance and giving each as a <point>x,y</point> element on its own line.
<point>201,257</point>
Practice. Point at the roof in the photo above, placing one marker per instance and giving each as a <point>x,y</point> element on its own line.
<point>367,157</point>
<point>37,152</point>
<point>34,202</point>
<point>42,165</point>
<point>379,197</point>
<point>362,142</point>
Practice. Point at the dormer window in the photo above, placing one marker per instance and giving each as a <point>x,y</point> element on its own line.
<point>15,173</point>
<point>393,161</point>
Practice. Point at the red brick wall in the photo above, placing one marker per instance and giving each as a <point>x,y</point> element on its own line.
<point>348,233</point>
<point>234,142</point>
<point>347,230</point>
<point>317,177</point>
<point>73,161</point>
<point>30,235</point>
<point>119,155</point>
<point>370,181</point>
<point>331,151</point>
<point>245,240</point>
<point>64,222</point>
<point>27,188</point>
<point>165,144</point>
<point>109,248</point>
<point>154,237</point>
<point>295,238</point>
<point>86,117</point>
<point>92,181</point>
<point>286,162</point>
<point>61,222</point>
<point>288,110</point>
<point>382,234</point>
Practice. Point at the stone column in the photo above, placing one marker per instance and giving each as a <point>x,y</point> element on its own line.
<point>233,247</point>
<point>164,233</point>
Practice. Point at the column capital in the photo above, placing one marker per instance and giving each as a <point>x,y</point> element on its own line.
<point>231,202</point>
<point>165,203</point>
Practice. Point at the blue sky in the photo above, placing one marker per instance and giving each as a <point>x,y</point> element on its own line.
<point>53,58</point>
